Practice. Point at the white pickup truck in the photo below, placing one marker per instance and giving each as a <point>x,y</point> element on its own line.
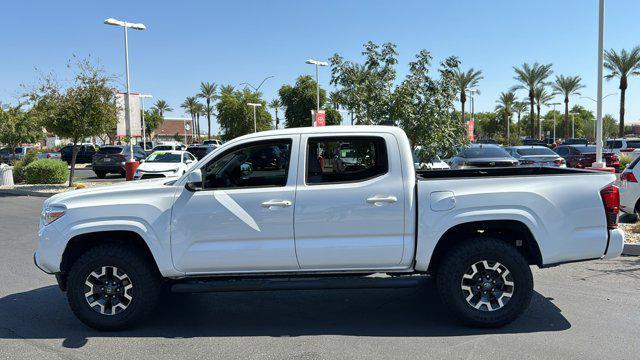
<point>324,208</point>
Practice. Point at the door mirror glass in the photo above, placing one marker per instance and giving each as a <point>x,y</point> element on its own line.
<point>246,170</point>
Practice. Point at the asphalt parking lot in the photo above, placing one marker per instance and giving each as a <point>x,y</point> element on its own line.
<point>585,310</point>
<point>88,175</point>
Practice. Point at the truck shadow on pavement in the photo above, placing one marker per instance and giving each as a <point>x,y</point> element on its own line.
<point>417,312</point>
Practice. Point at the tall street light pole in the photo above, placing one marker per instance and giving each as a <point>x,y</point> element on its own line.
<point>599,163</point>
<point>554,120</point>
<point>127,100</point>
<point>317,64</point>
<point>254,106</point>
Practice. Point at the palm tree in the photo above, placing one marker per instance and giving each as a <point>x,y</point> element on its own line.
<point>276,104</point>
<point>161,106</point>
<point>567,86</point>
<point>190,105</point>
<point>505,105</point>
<point>622,65</point>
<point>519,107</point>
<point>542,97</point>
<point>200,110</point>
<point>529,77</point>
<point>208,92</point>
<point>465,81</point>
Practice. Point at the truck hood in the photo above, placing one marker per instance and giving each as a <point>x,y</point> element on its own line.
<point>111,191</point>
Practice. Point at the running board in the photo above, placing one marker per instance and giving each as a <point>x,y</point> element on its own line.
<point>274,284</point>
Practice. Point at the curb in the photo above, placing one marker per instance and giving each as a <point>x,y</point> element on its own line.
<point>631,249</point>
<point>15,192</point>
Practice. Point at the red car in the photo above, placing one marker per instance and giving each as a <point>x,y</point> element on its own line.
<point>582,156</point>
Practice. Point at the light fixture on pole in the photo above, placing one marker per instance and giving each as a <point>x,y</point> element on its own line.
<point>317,64</point>
<point>144,125</point>
<point>127,100</point>
<point>254,106</point>
<point>554,119</point>
<point>595,121</point>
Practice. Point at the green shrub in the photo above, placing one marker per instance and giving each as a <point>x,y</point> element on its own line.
<point>19,166</point>
<point>47,171</point>
<point>625,160</point>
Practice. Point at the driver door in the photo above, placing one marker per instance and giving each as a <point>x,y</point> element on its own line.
<point>242,218</point>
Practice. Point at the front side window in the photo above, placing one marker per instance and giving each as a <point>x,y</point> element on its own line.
<point>251,165</point>
<point>345,159</point>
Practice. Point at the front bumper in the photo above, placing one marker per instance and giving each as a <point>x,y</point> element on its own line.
<point>616,244</point>
<point>152,175</point>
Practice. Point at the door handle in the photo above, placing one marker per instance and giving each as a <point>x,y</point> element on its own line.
<point>280,203</point>
<point>376,199</point>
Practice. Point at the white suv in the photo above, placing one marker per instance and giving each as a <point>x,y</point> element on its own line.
<point>630,146</point>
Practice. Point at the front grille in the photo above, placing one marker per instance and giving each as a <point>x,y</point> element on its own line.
<point>151,176</point>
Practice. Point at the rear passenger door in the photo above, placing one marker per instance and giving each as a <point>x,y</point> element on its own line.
<point>349,211</point>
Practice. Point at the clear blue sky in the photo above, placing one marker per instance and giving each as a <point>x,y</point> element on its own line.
<point>230,42</point>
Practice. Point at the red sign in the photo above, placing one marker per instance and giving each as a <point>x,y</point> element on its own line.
<point>320,119</point>
<point>470,124</point>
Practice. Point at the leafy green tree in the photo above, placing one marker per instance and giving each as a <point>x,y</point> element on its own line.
<point>609,126</point>
<point>236,118</point>
<point>85,108</point>
<point>504,107</point>
<point>567,86</point>
<point>529,78</point>
<point>622,65</point>
<point>519,107</point>
<point>208,92</point>
<point>299,99</point>
<point>276,104</point>
<point>542,97</point>
<point>161,106</point>
<point>422,106</point>
<point>365,89</point>
<point>332,117</point>
<point>152,120</point>
<point>18,126</point>
<point>464,81</point>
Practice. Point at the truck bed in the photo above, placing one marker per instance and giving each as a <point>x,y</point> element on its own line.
<point>501,172</point>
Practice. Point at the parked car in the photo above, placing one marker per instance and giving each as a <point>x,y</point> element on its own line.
<point>629,146</point>
<point>113,249</point>
<point>162,164</point>
<point>50,155</point>
<point>214,142</point>
<point>200,151</point>
<point>165,147</point>
<point>575,141</point>
<point>536,156</point>
<point>482,155</point>
<point>630,188</point>
<point>84,156</point>
<point>533,142</point>
<point>583,156</point>
<point>111,159</point>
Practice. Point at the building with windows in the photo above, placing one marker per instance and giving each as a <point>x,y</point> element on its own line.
<point>171,126</point>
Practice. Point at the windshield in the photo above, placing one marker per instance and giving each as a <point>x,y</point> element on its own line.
<point>535,151</point>
<point>110,150</point>
<point>163,157</point>
<point>484,152</point>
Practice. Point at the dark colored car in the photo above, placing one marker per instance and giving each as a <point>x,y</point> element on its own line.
<point>535,156</point>
<point>200,151</point>
<point>111,159</point>
<point>533,142</point>
<point>575,141</point>
<point>84,156</point>
<point>583,156</point>
<point>482,155</point>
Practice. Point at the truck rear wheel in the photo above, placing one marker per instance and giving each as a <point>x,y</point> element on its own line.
<point>485,282</point>
<point>112,287</point>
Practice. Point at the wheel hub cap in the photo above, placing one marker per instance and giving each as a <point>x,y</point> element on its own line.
<point>487,286</point>
<point>108,290</point>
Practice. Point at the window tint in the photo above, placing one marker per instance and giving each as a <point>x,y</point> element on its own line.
<point>535,151</point>
<point>251,165</point>
<point>633,163</point>
<point>614,144</point>
<point>483,151</point>
<point>110,150</point>
<point>633,144</point>
<point>345,159</point>
<point>563,151</point>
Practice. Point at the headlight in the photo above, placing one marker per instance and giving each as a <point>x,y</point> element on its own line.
<point>52,213</point>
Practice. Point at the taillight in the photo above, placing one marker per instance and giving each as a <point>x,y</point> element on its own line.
<point>559,161</point>
<point>628,176</point>
<point>611,201</point>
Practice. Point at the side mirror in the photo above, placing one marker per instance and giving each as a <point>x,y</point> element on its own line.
<point>245,170</point>
<point>194,180</point>
<point>189,161</point>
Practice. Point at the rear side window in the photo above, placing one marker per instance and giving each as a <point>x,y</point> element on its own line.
<point>345,159</point>
<point>108,150</point>
<point>614,144</point>
<point>633,144</point>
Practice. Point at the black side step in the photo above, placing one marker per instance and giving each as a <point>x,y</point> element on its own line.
<point>273,284</point>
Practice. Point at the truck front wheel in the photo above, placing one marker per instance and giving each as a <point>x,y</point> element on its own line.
<point>112,287</point>
<point>485,282</point>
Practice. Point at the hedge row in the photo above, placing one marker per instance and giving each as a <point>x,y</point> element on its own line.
<point>46,171</point>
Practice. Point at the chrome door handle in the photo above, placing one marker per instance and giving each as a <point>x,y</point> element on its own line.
<point>382,199</point>
<point>280,203</point>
